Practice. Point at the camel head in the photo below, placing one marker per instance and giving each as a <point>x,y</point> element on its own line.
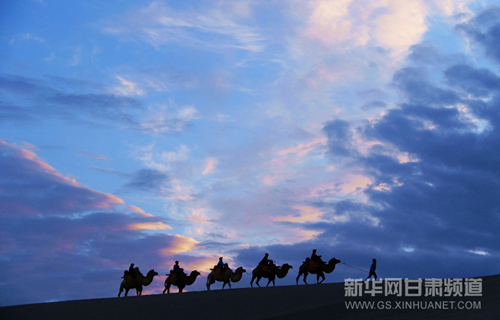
<point>195,273</point>
<point>333,261</point>
<point>286,266</point>
<point>152,272</point>
<point>241,269</point>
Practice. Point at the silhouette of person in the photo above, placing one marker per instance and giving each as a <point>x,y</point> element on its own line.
<point>271,265</point>
<point>177,268</point>
<point>221,264</point>
<point>372,270</point>
<point>131,270</point>
<point>315,257</point>
<point>264,261</point>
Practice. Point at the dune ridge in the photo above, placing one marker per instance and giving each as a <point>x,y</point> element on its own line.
<point>325,301</point>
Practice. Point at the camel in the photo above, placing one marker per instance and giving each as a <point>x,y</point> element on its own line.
<point>180,281</point>
<point>259,273</point>
<point>137,283</point>
<point>226,277</point>
<point>305,268</point>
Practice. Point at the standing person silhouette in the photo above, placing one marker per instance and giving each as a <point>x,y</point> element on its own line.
<point>372,270</point>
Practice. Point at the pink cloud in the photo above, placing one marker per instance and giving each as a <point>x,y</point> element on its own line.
<point>181,244</point>
<point>149,226</point>
<point>35,187</point>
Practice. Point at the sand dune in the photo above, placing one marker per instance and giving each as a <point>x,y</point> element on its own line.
<point>325,301</point>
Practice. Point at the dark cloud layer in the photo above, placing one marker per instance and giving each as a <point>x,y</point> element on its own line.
<point>484,29</point>
<point>61,240</point>
<point>438,211</point>
<point>25,99</point>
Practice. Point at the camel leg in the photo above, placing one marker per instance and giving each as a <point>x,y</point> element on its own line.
<point>257,282</point>
<point>126,291</point>
<point>167,288</point>
<point>305,276</point>
<point>268,282</point>
<point>210,281</point>
<point>322,278</point>
<point>251,282</point>
<point>121,289</point>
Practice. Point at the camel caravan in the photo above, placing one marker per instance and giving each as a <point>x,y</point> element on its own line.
<point>221,272</point>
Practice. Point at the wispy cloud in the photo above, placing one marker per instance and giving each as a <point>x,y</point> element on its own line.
<point>26,37</point>
<point>159,25</point>
<point>94,156</point>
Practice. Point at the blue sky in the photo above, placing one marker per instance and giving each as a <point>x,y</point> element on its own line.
<point>149,132</point>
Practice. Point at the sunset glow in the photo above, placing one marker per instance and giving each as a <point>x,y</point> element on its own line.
<point>150,132</point>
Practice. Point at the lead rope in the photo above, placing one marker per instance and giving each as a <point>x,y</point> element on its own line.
<point>354,267</point>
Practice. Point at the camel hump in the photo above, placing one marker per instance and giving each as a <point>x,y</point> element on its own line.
<point>312,265</point>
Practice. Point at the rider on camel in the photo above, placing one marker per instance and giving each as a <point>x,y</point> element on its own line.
<point>272,266</point>
<point>264,261</point>
<point>316,258</point>
<point>131,270</point>
<point>221,264</point>
<point>177,268</point>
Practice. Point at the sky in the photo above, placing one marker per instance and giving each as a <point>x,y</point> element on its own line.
<point>152,131</point>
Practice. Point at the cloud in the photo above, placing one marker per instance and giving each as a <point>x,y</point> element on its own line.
<point>26,37</point>
<point>36,99</point>
<point>213,29</point>
<point>479,82</point>
<point>484,29</point>
<point>148,180</point>
<point>139,210</point>
<point>75,240</point>
<point>339,137</point>
<point>168,117</point>
<point>31,99</point>
<point>210,165</point>
<point>127,88</point>
<point>351,23</point>
<point>28,183</point>
<point>94,156</point>
<point>181,244</point>
<point>428,179</point>
<point>441,204</point>
<point>305,214</point>
<point>150,226</point>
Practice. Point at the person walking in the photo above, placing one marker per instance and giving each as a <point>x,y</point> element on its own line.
<point>372,270</point>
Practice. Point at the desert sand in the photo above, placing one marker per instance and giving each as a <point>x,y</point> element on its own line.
<point>323,301</point>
